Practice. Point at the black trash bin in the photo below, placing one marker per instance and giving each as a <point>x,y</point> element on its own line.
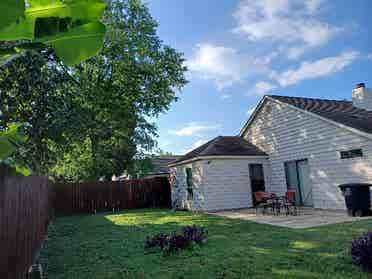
<point>357,198</point>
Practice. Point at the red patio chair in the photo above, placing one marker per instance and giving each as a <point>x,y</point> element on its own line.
<point>290,202</point>
<point>261,199</point>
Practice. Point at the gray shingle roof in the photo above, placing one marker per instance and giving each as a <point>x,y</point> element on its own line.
<point>342,112</point>
<point>160,163</point>
<point>223,146</point>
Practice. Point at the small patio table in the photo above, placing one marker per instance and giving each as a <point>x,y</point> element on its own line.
<point>279,202</point>
<point>276,204</point>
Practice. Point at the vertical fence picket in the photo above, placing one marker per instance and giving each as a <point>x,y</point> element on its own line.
<point>89,197</point>
<point>25,213</point>
<point>27,205</point>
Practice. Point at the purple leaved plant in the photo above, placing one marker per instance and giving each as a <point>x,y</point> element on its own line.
<point>361,252</point>
<point>176,241</point>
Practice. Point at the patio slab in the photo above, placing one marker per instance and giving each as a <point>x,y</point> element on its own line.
<point>306,217</point>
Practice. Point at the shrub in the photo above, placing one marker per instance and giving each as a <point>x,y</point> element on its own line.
<point>361,252</point>
<point>195,234</point>
<point>158,240</point>
<point>176,241</point>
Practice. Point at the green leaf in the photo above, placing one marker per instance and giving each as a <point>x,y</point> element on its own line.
<point>48,21</point>
<point>8,140</point>
<point>79,43</point>
<point>21,30</point>
<point>10,11</point>
<point>8,145</point>
<point>52,16</point>
<point>86,10</point>
<point>21,170</point>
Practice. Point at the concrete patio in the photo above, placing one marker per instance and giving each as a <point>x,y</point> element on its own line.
<point>306,217</point>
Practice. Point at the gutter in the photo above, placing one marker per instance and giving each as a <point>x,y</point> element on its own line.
<point>226,157</point>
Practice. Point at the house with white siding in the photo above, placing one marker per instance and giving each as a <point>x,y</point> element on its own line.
<point>309,145</point>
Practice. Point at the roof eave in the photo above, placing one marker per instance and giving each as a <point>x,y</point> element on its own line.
<point>229,157</point>
<point>253,115</point>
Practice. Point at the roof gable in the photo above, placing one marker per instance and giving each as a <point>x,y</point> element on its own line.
<point>160,163</point>
<point>339,112</point>
<point>223,146</point>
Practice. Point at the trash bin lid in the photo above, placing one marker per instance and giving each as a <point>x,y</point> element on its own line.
<point>354,185</point>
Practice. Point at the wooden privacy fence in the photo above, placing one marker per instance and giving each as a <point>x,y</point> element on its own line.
<point>25,212</point>
<point>27,205</point>
<point>91,197</point>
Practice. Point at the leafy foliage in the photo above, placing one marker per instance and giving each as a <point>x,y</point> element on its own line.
<point>10,11</point>
<point>361,252</point>
<point>195,234</point>
<point>89,121</point>
<point>77,44</point>
<point>134,77</point>
<point>158,240</point>
<point>176,241</point>
<point>36,94</point>
<point>10,139</point>
<point>141,166</point>
<point>71,27</point>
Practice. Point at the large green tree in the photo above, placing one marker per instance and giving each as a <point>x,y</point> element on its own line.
<point>134,77</point>
<point>109,98</point>
<point>36,94</point>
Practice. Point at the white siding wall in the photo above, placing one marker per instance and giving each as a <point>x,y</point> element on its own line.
<point>218,183</point>
<point>227,184</point>
<point>288,134</point>
<point>179,189</point>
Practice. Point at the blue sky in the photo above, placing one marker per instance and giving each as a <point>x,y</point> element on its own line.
<point>237,51</point>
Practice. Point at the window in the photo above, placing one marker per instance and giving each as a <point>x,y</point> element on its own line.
<point>190,193</point>
<point>354,153</point>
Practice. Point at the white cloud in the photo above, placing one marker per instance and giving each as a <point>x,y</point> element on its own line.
<point>294,53</point>
<point>250,111</point>
<point>225,97</point>
<point>293,22</point>
<point>262,88</point>
<point>315,69</point>
<point>196,145</point>
<point>193,129</point>
<point>313,6</point>
<point>223,65</point>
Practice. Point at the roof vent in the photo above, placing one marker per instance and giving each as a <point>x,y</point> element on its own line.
<point>362,97</point>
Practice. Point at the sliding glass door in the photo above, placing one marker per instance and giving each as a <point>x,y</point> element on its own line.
<point>257,178</point>
<point>298,179</point>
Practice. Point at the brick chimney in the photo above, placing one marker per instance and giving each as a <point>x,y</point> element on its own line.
<point>362,97</point>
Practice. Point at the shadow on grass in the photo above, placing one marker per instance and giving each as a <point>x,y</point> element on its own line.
<point>112,246</point>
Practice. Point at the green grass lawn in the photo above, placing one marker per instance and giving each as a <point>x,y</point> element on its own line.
<point>112,246</point>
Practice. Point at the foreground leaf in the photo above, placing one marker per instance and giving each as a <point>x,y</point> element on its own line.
<point>23,29</point>
<point>10,11</point>
<point>88,10</point>
<point>48,21</point>
<point>46,18</point>
<point>79,43</point>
